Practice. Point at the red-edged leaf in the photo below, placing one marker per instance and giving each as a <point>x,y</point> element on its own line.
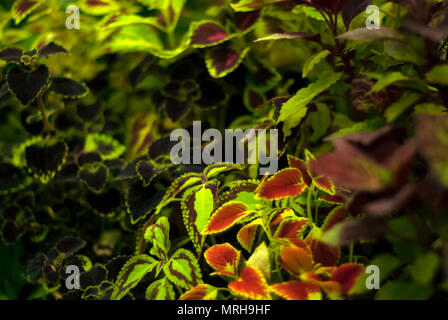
<point>325,254</point>
<point>291,228</point>
<point>208,34</point>
<point>297,290</point>
<point>296,260</point>
<point>225,217</point>
<point>246,235</point>
<point>221,61</point>
<point>301,165</point>
<point>346,276</point>
<point>321,278</point>
<point>325,184</point>
<point>251,284</point>
<point>224,259</point>
<point>335,199</point>
<point>285,183</point>
<point>200,292</point>
<point>336,215</point>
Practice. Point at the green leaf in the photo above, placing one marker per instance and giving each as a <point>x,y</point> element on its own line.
<point>183,269</point>
<point>320,121</point>
<point>386,263</point>
<point>310,12</point>
<point>184,181</point>
<point>403,227</point>
<point>160,290</point>
<point>413,49</point>
<point>313,61</point>
<point>299,102</point>
<point>438,74</point>
<point>132,273</point>
<point>197,208</point>
<point>425,267</point>
<point>26,85</point>
<point>407,100</point>
<point>104,144</point>
<point>401,290</point>
<point>385,80</point>
<point>159,235</point>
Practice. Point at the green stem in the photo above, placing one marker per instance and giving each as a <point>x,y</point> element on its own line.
<point>350,255</point>
<point>41,106</point>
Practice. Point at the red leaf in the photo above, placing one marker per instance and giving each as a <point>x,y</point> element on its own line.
<point>336,215</point>
<point>245,20</point>
<point>302,166</point>
<point>224,259</point>
<point>291,228</point>
<point>336,199</point>
<point>222,61</point>
<point>225,217</point>
<point>246,235</point>
<point>296,260</point>
<point>325,184</point>
<point>346,276</point>
<point>208,33</point>
<point>296,290</point>
<point>285,183</point>
<point>323,253</point>
<point>200,292</point>
<point>251,284</point>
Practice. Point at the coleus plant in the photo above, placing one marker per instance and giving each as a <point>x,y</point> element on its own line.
<point>29,80</point>
<point>369,104</point>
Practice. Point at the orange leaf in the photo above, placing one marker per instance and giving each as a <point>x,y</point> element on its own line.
<point>224,259</point>
<point>297,290</point>
<point>285,183</point>
<point>200,292</point>
<point>225,217</point>
<point>251,284</point>
<point>296,260</point>
<point>246,235</point>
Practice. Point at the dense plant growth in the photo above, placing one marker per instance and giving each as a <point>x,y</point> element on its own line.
<point>86,177</point>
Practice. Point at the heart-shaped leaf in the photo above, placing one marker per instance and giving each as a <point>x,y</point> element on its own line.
<point>44,160</point>
<point>26,85</point>
<point>251,284</point>
<point>224,259</point>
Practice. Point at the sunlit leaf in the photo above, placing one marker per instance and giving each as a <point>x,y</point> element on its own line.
<point>224,259</point>
<point>251,284</point>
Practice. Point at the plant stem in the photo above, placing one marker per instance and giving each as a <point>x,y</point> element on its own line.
<point>40,103</point>
<point>350,256</point>
<point>308,204</point>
